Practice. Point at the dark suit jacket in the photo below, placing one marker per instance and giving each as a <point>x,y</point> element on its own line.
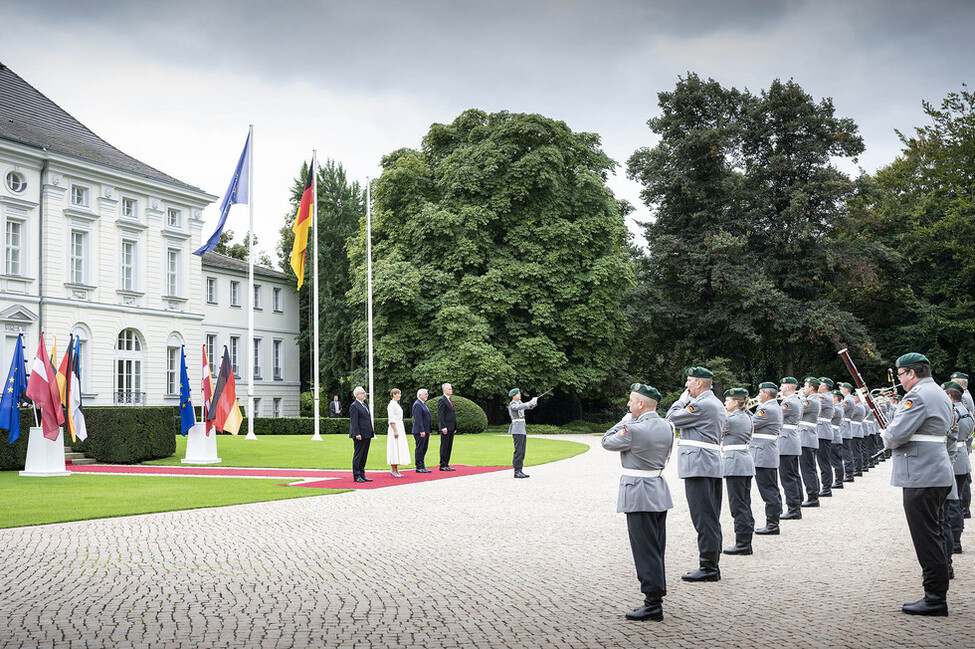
<point>445,412</point>
<point>360,423</point>
<point>421,418</point>
<point>335,406</point>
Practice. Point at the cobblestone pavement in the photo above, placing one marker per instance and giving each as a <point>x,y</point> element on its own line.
<point>484,561</point>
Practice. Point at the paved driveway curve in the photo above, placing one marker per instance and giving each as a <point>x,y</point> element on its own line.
<point>484,561</point>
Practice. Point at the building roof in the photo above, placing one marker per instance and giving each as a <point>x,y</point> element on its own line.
<point>232,263</point>
<point>28,117</point>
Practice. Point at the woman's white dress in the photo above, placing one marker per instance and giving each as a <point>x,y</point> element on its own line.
<point>397,448</point>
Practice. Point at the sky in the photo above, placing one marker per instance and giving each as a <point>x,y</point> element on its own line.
<point>177,83</point>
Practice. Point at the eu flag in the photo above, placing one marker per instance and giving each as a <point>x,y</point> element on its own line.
<point>13,391</point>
<point>187,418</point>
<point>237,192</point>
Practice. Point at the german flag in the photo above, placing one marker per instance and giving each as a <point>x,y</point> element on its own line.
<point>224,411</point>
<point>301,227</point>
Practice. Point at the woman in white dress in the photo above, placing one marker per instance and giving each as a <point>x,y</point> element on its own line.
<point>397,448</point>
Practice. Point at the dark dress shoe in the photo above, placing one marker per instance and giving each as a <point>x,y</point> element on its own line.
<point>825,493</point>
<point>738,548</point>
<point>936,606</point>
<point>447,468</point>
<point>809,503</point>
<point>519,474</point>
<point>702,574</point>
<point>768,529</point>
<point>360,479</point>
<point>423,470</point>
<point>791,515</point>
<point>647,612</point>
<point>367,479</point>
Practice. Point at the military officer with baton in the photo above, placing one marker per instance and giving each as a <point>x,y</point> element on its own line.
<point>517,430</point>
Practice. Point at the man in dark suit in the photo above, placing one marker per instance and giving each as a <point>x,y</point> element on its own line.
<point>360,430</point>
<point>448,426</point>
<point>335,407</point>
<point>421,429</point>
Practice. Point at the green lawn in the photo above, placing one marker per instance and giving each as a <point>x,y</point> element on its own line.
<point>36,501</point>
<point>335,451</point>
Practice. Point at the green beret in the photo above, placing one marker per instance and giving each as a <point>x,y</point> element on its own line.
<point>952,386</point>
<point>736,392</point>
<point>727,393</point>
<point>699,372</point>
<point>825,379</point>
<point>767,385</point>
<point>811,380</point>
<point>848,386</point>
<point>790,380</point>
<point>646,390</point>
<point>837,393</point>
<point>960,375</point>
<point>912,359</point>
<point>513,391</point>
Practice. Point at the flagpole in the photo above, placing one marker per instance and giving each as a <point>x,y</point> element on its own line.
<point>372,404</point>
<point>249,372</point>
<point>314,224</point>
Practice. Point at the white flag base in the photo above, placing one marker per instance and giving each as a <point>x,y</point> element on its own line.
<point>251,436</point>
<point>317,437</point>
<point>45,457</point>
<point>200,447</point>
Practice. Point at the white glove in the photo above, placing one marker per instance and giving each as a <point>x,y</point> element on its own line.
<point>685,397</point>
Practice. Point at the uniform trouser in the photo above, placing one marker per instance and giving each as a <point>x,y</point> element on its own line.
<point>767,481</point>
<point>704,502</point>
<point>421,450</point>
<point>848,467</point>
<point>740,503</point>
<point>947,516</point>
<point>789,476</point>
<point>518,459</point>
<point>958,522</point>
<point>965,494</point>
<point>648,539</point>
<point>446,446</point>
<point>953,519</point>
<point>825,467</point>
<point>836,460</point>
<point>360,452</point>
<point>923,509</point>
<point>856,449</point>
<point>807,465</point>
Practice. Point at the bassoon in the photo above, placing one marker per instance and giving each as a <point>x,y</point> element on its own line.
<point>862,389</point>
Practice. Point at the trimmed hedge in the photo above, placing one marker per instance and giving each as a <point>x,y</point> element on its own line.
<point>306,426</point>
<point>116,435</point>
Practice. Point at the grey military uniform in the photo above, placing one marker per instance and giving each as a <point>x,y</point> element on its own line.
<point>735,458</point>
<point>516,411</point>
<point>837,422</point>
<point>766,427</point>
<point>808,421</point>
<point>917,435</point>
<point>644,450</point>
<point>701,422</point>
<point>824,429</point>
<point>848,407</point>
<point>791,410</point>
<point>961,463</point>
<point>856,425</point>
<point>966,399</point>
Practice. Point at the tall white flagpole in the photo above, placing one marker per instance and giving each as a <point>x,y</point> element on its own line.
<point>249,371</point>
<point>317,437</point>
<point>372,400</point>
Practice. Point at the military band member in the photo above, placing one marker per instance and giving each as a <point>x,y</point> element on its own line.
<point>517,430</point>
<point>764,447</point>
<point>836,448</point>
<point>737,467</point>
<point>917,436</point>
<point>790,449</point>
<point>846,431</point>
<point>808,423</point>
<point>644,441</point>
<point>824,431</point>
<point>961,466</point>
<point>965,494</point>
<point>700,417</point>
<point>860,457</point>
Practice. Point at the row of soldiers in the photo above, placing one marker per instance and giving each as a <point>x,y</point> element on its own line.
<point>820,428</point>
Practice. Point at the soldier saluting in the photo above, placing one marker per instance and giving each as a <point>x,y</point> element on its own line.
<point>517,430</point>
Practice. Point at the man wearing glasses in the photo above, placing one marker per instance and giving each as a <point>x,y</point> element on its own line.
<point>917,435</point>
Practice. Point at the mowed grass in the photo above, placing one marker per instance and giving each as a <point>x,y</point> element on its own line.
<point>37,501</point>
<point>335,451</point>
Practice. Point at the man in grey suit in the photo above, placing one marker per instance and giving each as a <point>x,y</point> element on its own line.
<point>644,441</point>
<point>965,495</point>
<point>764,447</point>
<point>700,416</point>
<point>790,449</point>
<point>917,436</point>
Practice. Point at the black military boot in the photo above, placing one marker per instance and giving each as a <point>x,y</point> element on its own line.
<point>957,545</point>
<point>708,571</point>
<point>825,493</point>
<point>743,545</point>
<point>520,474</point>
<point>771,527</point>
<point>794,513</point>
<point>812,501</point>
<point>931,604</point>
<point>837,485</point>
<point>651,610</point>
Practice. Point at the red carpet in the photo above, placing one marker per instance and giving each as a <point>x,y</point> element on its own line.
<point>314,478</point>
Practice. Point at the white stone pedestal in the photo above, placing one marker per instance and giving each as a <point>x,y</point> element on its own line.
<point>200,447</point>
<point>45,457</point>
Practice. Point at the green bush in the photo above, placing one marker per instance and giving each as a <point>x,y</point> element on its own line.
<point>471,418</point>
<point>14,456</point>
<point>128,435</point>
<point>583,426</point>
<point>306,426</point>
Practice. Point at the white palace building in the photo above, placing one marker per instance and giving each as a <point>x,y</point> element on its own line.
<point>99,244</point>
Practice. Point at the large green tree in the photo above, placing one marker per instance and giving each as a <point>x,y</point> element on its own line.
<point>499,260</point>
<point>744,253</point>
<point>341,204</point>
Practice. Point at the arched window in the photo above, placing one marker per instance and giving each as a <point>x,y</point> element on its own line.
<point>173,345</point>
<point>128,369</point>
<point>83,335</point>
